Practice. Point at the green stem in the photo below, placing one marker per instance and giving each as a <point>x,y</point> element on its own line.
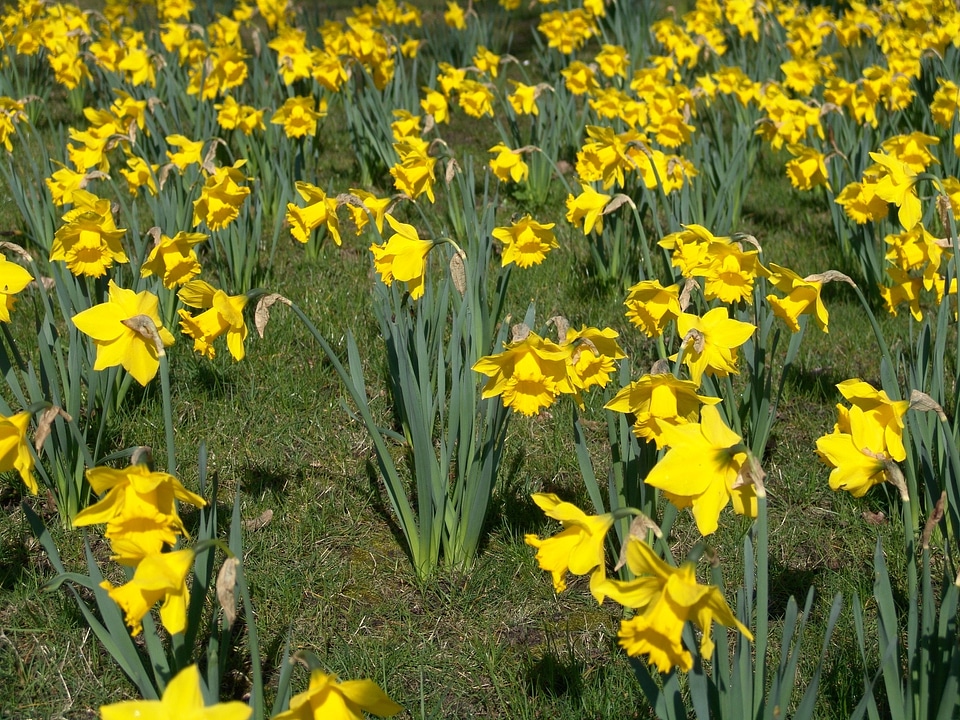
<point>167,413</point>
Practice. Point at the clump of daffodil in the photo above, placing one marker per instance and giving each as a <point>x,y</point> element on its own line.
<point>578,548</point>
<point>665,598</point>
<point>222,315</point>
<point>182,698</point>
<point>127,331</point>
<point>402,257</point>
<point>703,469</point>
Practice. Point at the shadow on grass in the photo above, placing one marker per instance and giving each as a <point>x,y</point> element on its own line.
<point>258,480</point>
<point>13,562</point>
<point>555,677</point>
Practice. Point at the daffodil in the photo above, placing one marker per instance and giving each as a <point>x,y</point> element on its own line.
<point>189,152</point>
<point>659,401</point>
<point>121,333</point>
<point>454,16</point>
<point>529,374</point>
<point>593,355</point>
<point>221,197</point>
<point>89,240</point>
<point>701,470</point>
<point>318,211</point>
<point>578,548</point>
<point>808,169</point>
<point>13,279</point>
<point>222,315</point>
<point>650,306</point>
<point>897,185</point>
<point>139,509</point>
<point>15,450</point>
<point>526,242</point>
<point>523,99</point>
<point>666,598</point>
<point>173,259</point>
<point>158,577</point>
<point>182,699</point>
<point>710,343</point>
<point>402,257</point>
<point>299,116</point>
<point>883,417</point>
<point>327,698</point>
<point>587,207</point>
<point>434,103</point>
<point>508,164</point>
<point>857,464</point>
<point>371,207</point>
<point>803,298</point>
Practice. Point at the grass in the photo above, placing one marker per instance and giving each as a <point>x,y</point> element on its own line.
<point>328,570</point>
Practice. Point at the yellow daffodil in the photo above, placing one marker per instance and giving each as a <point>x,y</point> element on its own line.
<point>158,577</point>
<point>587,207</point>
<point>454,16</point>
<point>710,343</point>
<point>690,248</point>
<point>578,548</point>
<point>803,298</point>
<point>116,331</point>
<point>13,279</point>
<point>62,184</point>
<point>613,60</point>
<point>414,173</point>
<point>523,99</point>
<point>475,99</point>
<point>701,470</point>
<point>857,465</point>
<point>528,375</point>
<point>139,509</point>
<point>182,699</point>
<point>808,169</point>
<point>486,61</point>
<point>897,185</point>
<point>666,598</point>
<point>729,272</point>
<point>318,211</point>
<point>139,173</point>
<point>372,207</point>
<point>173,259</point>
<point>508,164</point>
<point>189,152</point>
<point>650,306</point>
<point>526,242</point>
<point>327,698</point>
<point>299,116</point>
<point>861,203</point>
<point>883,417</point>
<point>223,315</point>
<point>593,354</point>
<point>659,401</point>
<point>221,197</point>
<point>89,241</point>
<point>435,103</point>
<point>15,450</point>
<point>402,257</point>
<point>905,289</point>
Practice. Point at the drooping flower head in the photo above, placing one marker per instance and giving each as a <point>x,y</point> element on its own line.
<point>15,450</point>
<point>327,698</point>
<point>710,343</point>
<point>526,242</point>
<point>173,259</point>
<point>702,468</point>
<point>222,315</point>
<point>158,577</point>
<point>578,548</point>
<point>402,257</point>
